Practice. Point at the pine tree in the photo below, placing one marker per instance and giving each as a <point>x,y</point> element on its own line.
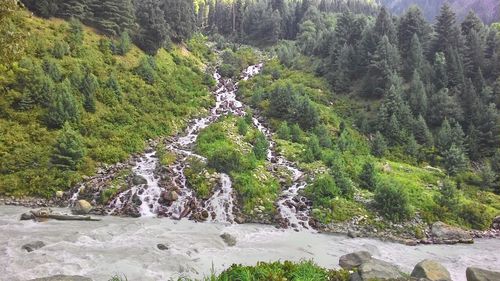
<point>422,133</point>
<point>384,26</point>
<point>414,61</point>
<point>417,96</point>
<point>69,149</point>
<point>448,196</point>
<point>379,145</point>
<point>471,23</point>
<point>412,148</point>
<point>367,177</point>
<point>344,69</point>
<point>440,78</point>
<point>455,160</point>
<point>113,16</point>
<point>62,108</point>
<point>444,138</point>
<point>412,27</point>
<point>88,88</point>
<point>474,54</point>
<point>180,16</point>
<point>260,146</point>
<point>385,63</point>
<point>75,36</point>
<point>124,44</point>
<point>153,29</point>
<point>77,9</point>
<point>447,33</point>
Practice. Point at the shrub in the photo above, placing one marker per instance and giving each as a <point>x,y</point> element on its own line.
<point>367,178</point>
<point>69,149</point>
<point>476,215</point>
<point>225,160</point>
<point>260,146</point>
<point>392,201</point>
<point>448,197</point>
<point>322,190</point>
<point>284,131</point>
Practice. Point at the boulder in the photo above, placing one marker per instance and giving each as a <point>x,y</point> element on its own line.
<point>63,278</point>
<point>478,274</point>
<point>27,216</point>
<point>446,234</point>
<point>431,270</point>
<point>82,207</point>
<point>354,260</point>
<point>59,194</point>
<point>162,247</point>
<point>30,247</point>
<point>171,196</point>
<point>496,223</point>
<point>139,180</point>
<point>229,239</point>
<point>375,269</point>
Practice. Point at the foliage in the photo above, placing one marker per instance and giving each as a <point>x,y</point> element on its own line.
<point>69,149</point>
<point>392,202</point>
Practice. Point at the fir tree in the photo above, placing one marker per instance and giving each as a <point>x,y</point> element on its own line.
<point>455,160</point>
<point>69,149</point>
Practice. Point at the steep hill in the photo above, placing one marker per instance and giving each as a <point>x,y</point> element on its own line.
<point>487,10</point>
<point>72,102</point>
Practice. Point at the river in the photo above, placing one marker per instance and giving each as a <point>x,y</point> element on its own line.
<point>127,246</point>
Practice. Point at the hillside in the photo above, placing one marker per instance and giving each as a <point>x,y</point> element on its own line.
<point>71,103</point>
<point>487,10</point>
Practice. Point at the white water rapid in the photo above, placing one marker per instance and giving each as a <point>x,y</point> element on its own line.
<point>127,246</point>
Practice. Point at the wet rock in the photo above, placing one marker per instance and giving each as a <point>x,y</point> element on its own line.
<point>63,278</point>
<point>354,260</point>
<point>431,270</point>
<point>478,274</point>
<point>139,180</point>
<point>239,220</point>
<point>375,269</point>
<point>496,223</point>
<point>171,196</point>
<point>229,239</point>
<point>136,200</point>
<point>82,207</point>
<point>30,247</point>
<point>27,216</point>
<point>162,247</point>
<point>446,234</point>
<point>352,233</point>
<point>204,214</point>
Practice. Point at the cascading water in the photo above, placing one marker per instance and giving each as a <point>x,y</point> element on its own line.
<point>178,200</point>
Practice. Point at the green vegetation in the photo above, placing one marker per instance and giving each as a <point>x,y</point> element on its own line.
<point>276,271</point>
<point>240,156</point>
<point>70,105</point>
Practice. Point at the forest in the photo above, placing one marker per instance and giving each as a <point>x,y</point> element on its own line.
<point>349,89</point>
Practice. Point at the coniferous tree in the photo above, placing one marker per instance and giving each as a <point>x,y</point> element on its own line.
<point>422,133</point>
<point>88,88</point>
<point>414,61</point>
<point>75,36</point>
<point>367,177</point>
<point>385,63</point>
<point>344,69</point>
<point>379,145</point>
<point>471,23</point>
<point>417,96</point>
<point>455,160</point>
<point>113,16</point>
<point>180,16</point>
<point>447,33</point>
<point>412,24</point>
<point>77,9</point>
<point>69,149</point>
<point>62,108</point>
<point>384,26</point>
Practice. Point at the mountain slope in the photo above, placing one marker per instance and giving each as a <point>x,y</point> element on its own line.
<point>70,104</point>
<point>487,10</point>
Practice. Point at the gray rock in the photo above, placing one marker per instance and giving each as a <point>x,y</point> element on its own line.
<point>496,223</point>
<point>162,247</point>
<point>30,247</point>
<point>82,207</point>
<point>478,274</point>
<point>431,270</point>
<point>63,278</point>
<point>139,180</point>
<point>229,239</point>
<point>27,216</point>
<point>354,260</point>
<point>446,234</point>
<point>355,277</point>
<point>375,269</point>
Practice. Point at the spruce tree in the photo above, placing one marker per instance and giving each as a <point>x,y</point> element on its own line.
<point>384,26</point>
<point>414,61</point>
<point>422,133</point>
<point>62,108</point>
<point>88,88</point>
<point>379,145</point>
<point>447,33</point>
<point>455,160</point>
<point>77,9</point>
<point>180,16</point>
<point>153,29</point>
<point>68,150</point>
<point>113,16</point>
<point>367,177</point>
<point>417,96</point>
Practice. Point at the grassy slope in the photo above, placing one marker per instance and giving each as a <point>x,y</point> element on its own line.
<point>117,128</point>
<point>420,183</point>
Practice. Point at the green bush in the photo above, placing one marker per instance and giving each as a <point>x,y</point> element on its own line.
<point>367,178</point>
<point>476,215</point>
<point>322,190</point>
<point>392,202</point>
